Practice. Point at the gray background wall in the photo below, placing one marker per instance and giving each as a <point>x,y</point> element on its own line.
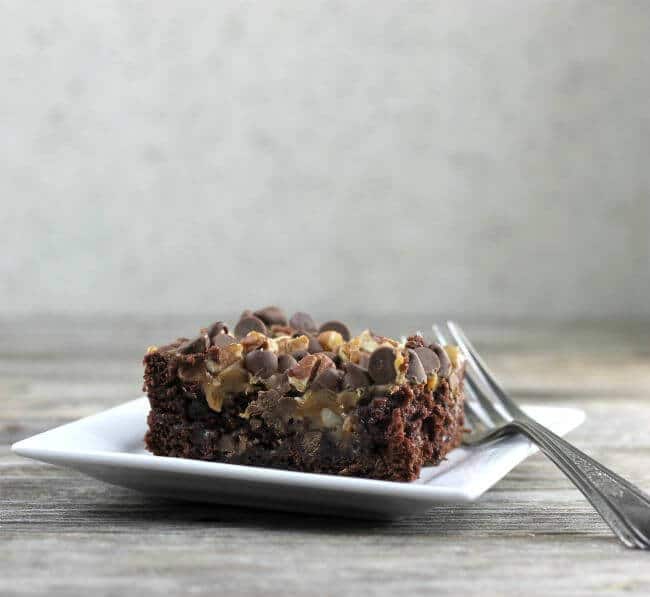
<point>483,159</point>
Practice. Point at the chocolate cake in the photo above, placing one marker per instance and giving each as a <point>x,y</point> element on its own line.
<point>286,393</point>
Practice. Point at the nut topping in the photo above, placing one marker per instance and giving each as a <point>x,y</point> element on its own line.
<point>303,372</point>
<point>330,340</point>
<point>318,373</point>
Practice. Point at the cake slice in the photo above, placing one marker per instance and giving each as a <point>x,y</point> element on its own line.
<point>290,394</point>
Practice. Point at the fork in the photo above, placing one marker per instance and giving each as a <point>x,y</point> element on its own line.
<point>493,414</point>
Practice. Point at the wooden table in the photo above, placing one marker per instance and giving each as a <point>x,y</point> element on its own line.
<point>62,533</point>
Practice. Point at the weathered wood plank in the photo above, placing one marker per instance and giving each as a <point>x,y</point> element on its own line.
<point>317,560</point>
<point>63,533</point>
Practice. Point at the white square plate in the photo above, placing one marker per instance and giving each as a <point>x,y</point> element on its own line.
<point>109,446</point>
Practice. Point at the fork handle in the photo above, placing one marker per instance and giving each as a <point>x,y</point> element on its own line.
<point>624,507</point>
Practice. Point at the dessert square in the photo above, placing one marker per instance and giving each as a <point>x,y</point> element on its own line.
<point>290,394</point>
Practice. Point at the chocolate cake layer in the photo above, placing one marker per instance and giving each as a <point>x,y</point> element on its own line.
<point>287,393</point>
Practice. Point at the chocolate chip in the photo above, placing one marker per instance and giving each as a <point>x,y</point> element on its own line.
<point>445,363</point>
<point>249,324</point>
<point>199,344</point>
<point>355,377</point>
<point>415,371</point>
<point>382,365</point>
<point>329,379</point>
<point>336,326</point>
<point>303,322</point>
<point>285,361</point>
<point>314,345</point>
<point>428,358</point>
<point>218,327</point>
<point>262,363</point>
<point>222,340</point>
<point>271,315</point>
<point>299,354</point>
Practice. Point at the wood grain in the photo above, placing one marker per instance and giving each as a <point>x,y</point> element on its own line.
<point>62,533</point>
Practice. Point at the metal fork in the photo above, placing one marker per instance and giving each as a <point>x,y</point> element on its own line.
<point>493,414</point>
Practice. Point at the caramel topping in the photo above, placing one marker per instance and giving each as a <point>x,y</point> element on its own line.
<point>313,402</point>
<point>230,382</point>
